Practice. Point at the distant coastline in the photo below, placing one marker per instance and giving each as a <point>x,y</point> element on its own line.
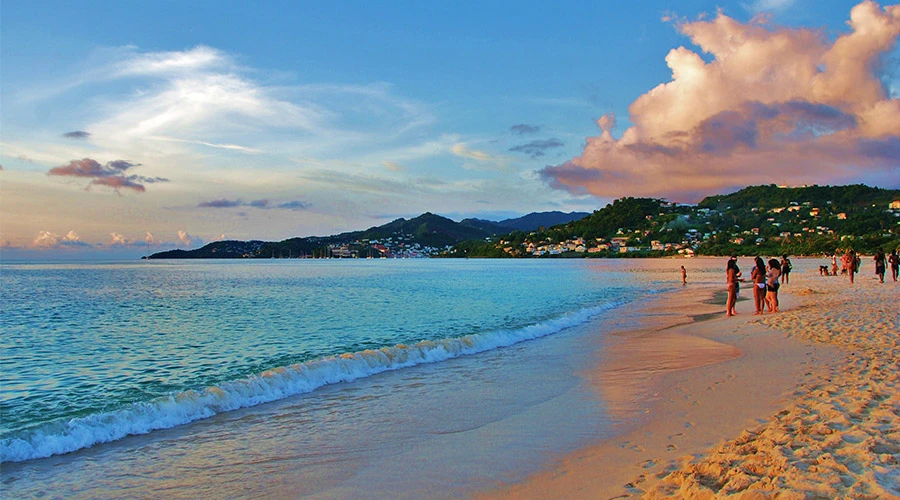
<point>756,220</point>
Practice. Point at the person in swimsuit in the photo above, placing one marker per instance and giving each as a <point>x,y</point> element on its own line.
<point>758,276</point>
<point>732,278</point>
<point>786,267</point>
<point>683,276</point>
<point>772,275</point>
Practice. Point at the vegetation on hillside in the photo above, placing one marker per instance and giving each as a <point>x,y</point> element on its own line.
<point>757,220</point>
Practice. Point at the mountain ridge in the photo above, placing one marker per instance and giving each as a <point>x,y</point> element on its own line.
<point>428,232</point>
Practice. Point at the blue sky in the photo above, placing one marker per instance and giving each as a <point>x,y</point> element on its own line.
<point>131,127</point>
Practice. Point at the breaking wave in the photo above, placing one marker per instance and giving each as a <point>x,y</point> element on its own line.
<point>271,385</point>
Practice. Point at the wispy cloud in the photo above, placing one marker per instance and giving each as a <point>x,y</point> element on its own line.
<point>260,204</point>
<point>537,149</point>
<point>524,129</point>
<point>758,6</point>
<point>482,159</point>
<point>773,105</point>
<point>200,104</point>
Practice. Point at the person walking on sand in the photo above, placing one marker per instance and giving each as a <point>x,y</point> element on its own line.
<point>880,265</point>
<point>772,284</point>
<point>852,264</point>
<point>684,276</point>
<point>758,275</point>
<point>732,279</point>
<point>834,263</point>
<point>786,267</point>
<point>894,259</point>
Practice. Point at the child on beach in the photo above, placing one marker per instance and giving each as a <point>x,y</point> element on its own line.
<point>684,276</point>
<point>758,275</point>
<point>772,275</point>
<point>732,278</point>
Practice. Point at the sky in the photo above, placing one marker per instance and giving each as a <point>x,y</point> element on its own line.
<point>131,127</point>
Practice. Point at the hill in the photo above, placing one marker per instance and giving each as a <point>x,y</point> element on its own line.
<point>425,235</point>
<point>767,220</point>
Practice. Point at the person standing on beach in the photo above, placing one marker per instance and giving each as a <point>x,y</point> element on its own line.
<point>684,276</point>
<point>732,279</point>
<point>758,275</point>
<point>834,263</point>
<point>880,265</point>
<point>894,259</point>
<point>772,275</point>
<point>786,267</point>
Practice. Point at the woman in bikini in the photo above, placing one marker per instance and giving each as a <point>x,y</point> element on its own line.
<point>774,272</point>
<point>732,278</point>
<point>758,276</point>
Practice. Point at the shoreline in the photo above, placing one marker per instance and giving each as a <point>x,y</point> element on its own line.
<point>711,415</point>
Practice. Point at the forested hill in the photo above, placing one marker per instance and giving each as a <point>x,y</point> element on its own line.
<point>755,220</point>
<point>843,198</point>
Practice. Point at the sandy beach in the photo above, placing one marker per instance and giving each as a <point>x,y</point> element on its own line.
<point>803,403</point>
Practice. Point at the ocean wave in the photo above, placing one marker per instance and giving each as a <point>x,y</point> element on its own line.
<point>140,418</point>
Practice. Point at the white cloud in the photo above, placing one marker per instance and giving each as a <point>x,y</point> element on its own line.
<point>48,239</point>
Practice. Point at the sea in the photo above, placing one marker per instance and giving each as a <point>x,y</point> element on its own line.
<point>303,378</point>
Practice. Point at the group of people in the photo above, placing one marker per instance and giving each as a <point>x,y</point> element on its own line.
<point>881,262</point>
<point>851,263</point>
<point>766,279</point>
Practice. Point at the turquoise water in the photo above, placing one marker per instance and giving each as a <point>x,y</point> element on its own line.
<point>92,353</point>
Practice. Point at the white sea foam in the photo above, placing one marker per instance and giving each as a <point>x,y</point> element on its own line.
<point>184,407</point>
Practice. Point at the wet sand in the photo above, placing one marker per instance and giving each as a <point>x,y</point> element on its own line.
<point>804,403</point>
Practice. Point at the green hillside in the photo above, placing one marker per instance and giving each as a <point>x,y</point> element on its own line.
<point>767,220</point>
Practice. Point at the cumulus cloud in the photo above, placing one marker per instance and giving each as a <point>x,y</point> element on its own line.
<point>188,240</point>
<point>116,239</point>
<point>772,105</point>
<point>112,174</point>
<point>47,239</point>
<point>77,134</point>
<point>536,149</point>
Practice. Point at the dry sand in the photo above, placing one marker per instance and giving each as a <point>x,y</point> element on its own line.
<point>804,403</point>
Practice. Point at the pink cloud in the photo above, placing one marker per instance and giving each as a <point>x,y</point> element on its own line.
<point>781,105</point>
<point>112,174</point>
<point>48,239</point>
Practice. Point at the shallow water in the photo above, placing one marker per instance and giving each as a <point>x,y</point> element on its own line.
<point>326,344</point>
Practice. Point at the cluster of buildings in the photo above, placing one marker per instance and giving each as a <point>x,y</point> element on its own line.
<point>387,248</point>
<point>619,244</point>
